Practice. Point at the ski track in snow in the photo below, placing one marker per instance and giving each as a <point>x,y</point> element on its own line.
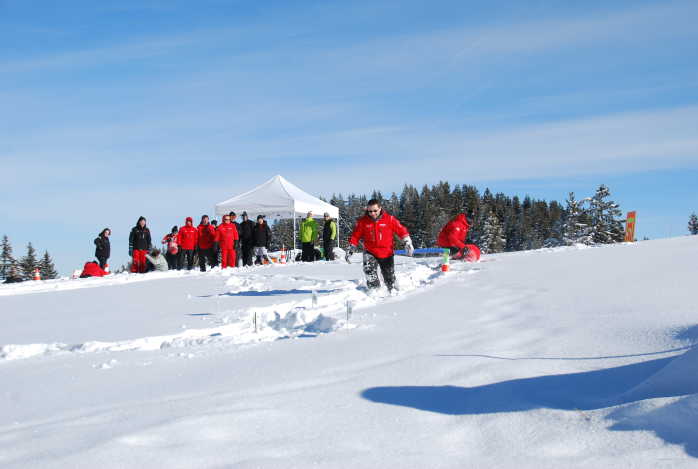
<point>291,319</point>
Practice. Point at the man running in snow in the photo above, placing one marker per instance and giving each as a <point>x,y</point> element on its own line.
<point>138,245</point>
<point>206,236</point>
<point>377,229</point>
<point>453,236</point>
<point>187,238</point>
<point>227,239</point>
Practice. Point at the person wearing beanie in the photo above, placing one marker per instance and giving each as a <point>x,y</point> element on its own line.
<point>216,247</point>
<point>207,236</point>
<point>246,241</point>
<point>157,260</point>
<point>308,235</point>
<point>171,248</point>
<point>261,239</point>
<point>329,237</point>
<point>138,245</point>
<point>187,238</point>
<point>103,247</point>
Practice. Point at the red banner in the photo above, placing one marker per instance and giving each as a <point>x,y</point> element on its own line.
<point>630,226</point>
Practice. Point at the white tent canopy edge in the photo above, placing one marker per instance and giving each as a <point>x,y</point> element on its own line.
<point>276,198</point>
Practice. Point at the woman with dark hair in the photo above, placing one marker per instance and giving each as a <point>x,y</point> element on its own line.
<point>171,248</point>
<point>103,247</point>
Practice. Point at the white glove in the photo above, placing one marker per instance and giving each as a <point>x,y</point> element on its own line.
<point>408,246</point>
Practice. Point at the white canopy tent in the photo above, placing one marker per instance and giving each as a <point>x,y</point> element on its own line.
<point>277,198</point>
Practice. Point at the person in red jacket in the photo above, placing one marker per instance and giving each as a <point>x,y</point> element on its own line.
<point>377,229</point>
<point>187,239</point>
<point>171,249</point>
<point>207,236</point>
<point>452,237</point>
<point>92,269</point>
<point>227,239</point>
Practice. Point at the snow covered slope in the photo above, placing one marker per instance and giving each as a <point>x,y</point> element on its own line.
<point>574,357</point>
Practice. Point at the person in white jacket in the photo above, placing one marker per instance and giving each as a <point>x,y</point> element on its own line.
<point>157,260</point>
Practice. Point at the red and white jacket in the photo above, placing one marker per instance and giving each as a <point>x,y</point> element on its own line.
<point>377,235</point>
<point>188,235</point>
<point>226,235</point>
<point>453,234</point>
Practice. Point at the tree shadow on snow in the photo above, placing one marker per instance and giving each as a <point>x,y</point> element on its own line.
<point>589,390</point>
<point>576,391</point>
<point>294,291</point>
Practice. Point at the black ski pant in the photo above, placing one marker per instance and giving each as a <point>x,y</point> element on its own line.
<point>172,261</point>
<point>308,253</point>
<point>186,258</point>
<point>247,248</point>
<point>387,268</point>
<point>102,262</point>
<point>328,247</point>
<point>206,255</point>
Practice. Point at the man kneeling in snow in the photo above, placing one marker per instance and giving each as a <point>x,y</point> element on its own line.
<point>157,261</point>
<point>92,269</point>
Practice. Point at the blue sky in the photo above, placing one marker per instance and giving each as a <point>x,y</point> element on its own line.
<point>112,110</point>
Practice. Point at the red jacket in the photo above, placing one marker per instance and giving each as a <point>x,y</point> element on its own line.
<point>454,233</point>
<point>188,235</point>
<point>207,236</point>
<point>92,269</point>
<point>226,235</point>
<point>378,235</point>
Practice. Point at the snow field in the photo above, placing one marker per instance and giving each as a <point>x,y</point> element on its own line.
<point>547,359</point>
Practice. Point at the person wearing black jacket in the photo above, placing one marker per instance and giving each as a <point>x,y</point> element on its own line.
<point>261,239</point>
<point>103,247</point>
<point>246,242</point>
<point>139,245</point>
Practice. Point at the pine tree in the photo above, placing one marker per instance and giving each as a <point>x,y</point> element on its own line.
<point>492,239</point>
<point>575,228</point>
<point>693,224</point>
<point>7,261</point>
<point>606,228</point>
<point>28,263</point>
<point>46,267</point>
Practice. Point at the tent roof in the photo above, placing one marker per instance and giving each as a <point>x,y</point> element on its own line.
<point>276,198</point>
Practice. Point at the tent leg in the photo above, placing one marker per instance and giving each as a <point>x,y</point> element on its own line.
<point>293,254</point>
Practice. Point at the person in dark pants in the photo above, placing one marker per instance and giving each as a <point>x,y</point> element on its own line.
<point>329,237</point>
<point>207,236</point>
<point>308,235</point>
<point>216,246</point>
<point>246,241</point>
<point>261,239</point>
<point>103,247</point>
<point>171,248</point>
<point>187,239</point>
<point>238,256</point>
<point>138,245</point>
<point>377,229</point>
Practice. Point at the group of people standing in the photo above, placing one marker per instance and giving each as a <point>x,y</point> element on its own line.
<point>225,243</point>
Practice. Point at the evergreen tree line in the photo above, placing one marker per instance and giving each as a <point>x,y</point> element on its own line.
<point>693,224</point>
<point>24,267</point>
<point>498,222</point>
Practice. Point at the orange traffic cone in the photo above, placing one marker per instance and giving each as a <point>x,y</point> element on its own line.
<point>446,261</point>
<point>283,255</point>
<point>37,274</point>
